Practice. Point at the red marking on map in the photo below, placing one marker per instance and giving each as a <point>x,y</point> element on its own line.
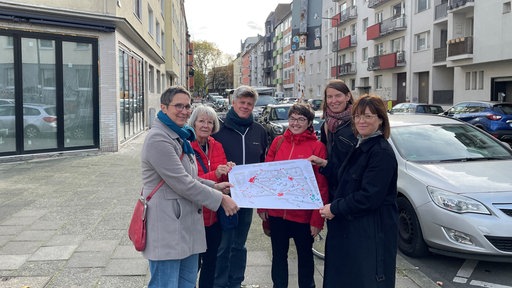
<point>251,180</point>
<point>290,178</point>
<point>280,194</point>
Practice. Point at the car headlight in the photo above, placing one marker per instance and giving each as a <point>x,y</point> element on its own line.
<point>456,203</point>
<point>278,129</point>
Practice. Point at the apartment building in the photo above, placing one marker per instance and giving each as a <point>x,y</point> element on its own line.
<point>433,51</point>
<point>85,75</point>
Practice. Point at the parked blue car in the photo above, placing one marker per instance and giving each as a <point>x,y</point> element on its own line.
<point>493,117</point>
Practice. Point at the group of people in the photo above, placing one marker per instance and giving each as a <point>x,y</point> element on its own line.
<point>192,151</point>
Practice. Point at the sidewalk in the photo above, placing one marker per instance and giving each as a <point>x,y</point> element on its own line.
<point>64,219</point>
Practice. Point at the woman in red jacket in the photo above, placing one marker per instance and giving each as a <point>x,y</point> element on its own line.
<point>299,141</point>
<point>212,165</point>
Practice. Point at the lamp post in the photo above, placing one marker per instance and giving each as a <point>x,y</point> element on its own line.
<point>337,40</point>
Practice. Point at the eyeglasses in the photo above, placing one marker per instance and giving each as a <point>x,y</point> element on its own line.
<point>301,120</point>
<point>180,106</point>
<point>365,117</point>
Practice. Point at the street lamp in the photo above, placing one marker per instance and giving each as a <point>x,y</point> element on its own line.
<point>337,40</point>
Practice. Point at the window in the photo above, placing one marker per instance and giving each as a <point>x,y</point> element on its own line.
<point>397,10</point>
<point>468,81</point>
<point>9,42</point>
<point>379,49</point>
<point>378,17</point>
<point>151,27</point>
<point>158,34</point>
<point>378,82</point>
<point>365,24</point>
<point>151,79</point>
<point>396,45</point>
<point>137,8</point>
<point>422,41</point>
<point>506,7</point>
<point>422,5</point>
<point>474,80</point>
<point>353,30</point>
<point>480,80</point>
<point>364,53</point>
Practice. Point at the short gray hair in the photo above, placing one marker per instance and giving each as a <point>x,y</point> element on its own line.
<point>204,110</point>
<point>245,91</point>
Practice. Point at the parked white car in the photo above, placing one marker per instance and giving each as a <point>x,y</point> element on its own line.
<point>454,189</point>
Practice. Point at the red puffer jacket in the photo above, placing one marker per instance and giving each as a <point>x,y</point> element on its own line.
<point>300,146</point>
<point>216,157</point>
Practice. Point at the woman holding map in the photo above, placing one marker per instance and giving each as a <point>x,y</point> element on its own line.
<point>299,141</point>
<point>211,165</point>
<point>361,243</point>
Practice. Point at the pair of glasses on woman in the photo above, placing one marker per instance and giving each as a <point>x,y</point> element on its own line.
<point>300,120</point>
<point>180,106</point>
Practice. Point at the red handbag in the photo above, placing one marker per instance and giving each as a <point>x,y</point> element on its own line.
<point>137,229</point>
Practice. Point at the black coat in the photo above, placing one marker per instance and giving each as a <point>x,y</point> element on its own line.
<point>339,145</point>
<point>361,243</point>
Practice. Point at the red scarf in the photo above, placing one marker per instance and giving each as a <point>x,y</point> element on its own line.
<point>333,120</point>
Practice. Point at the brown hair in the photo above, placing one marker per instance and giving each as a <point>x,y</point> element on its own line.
<point>376,106</point>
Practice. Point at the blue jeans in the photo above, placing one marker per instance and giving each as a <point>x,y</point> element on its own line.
<point>232,254</point>
<point>180,273</point>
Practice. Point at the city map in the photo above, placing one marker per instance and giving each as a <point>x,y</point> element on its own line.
<point>289,184</point>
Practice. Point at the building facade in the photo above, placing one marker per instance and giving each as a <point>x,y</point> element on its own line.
<point>431,51</point>
<point>80,75</point>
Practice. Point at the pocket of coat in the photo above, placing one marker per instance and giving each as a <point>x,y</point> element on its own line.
<point>176,208</point>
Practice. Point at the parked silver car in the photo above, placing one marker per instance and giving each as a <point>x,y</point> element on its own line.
<point>454,189</point>
<point>37,119</point>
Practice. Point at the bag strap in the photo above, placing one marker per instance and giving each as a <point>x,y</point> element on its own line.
<point>201,162</point>
<point>279,142</point>
<point>157,186</point>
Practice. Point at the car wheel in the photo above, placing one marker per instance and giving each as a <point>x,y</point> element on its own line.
<point>31,131</point>
<point>410,240</point>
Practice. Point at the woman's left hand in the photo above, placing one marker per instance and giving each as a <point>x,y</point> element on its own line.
<point>314,231</point>
<point>223,187</point>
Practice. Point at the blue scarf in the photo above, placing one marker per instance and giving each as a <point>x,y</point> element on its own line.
<point>237,123</point>
<point>186,132</point>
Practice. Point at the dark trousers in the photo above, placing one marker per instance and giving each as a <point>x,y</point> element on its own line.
<point>280,233</point>
<point>208,259</point>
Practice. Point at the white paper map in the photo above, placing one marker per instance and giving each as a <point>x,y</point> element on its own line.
<point>289,184</point>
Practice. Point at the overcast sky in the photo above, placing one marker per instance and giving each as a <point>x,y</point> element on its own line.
<point>227,22</point>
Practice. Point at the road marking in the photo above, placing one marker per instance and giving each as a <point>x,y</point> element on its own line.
<point>487,284</point>
<point>467,268</point>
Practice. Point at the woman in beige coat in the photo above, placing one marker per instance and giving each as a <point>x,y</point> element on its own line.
<point>175,222</point>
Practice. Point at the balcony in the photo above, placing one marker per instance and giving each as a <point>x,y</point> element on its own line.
<point>440,54</point>
<point>441,11</point>
<point>376,3</point>
<point>460,4</point>
<point>386,27</point>
<point>344,43</point>
<point>344,69</point>
<point>344,16</point>
<point>387,61</point>
<point>460,48</point>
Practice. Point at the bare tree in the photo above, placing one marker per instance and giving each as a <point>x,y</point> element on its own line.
<point>207,57</point>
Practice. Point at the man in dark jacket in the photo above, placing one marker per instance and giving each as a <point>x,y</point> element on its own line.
<point>245,142</point>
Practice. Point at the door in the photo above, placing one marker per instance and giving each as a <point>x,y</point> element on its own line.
<point>423,87</point>
<point>401,87</point>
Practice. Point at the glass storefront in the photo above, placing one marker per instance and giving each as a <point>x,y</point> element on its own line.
<point>131,95</point>
<point>49,97</point>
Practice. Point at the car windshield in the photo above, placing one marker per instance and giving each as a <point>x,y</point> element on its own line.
<point>446,142</point>
<point>264,100</point>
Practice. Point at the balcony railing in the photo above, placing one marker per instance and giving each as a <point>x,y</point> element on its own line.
<point>386,61</point>
<point>460,46</point>
<point>441,11</point>
<point>440,54</point>
<point>344,16</point>
<point>385,27</point>
<point>376,3</point>
<point>344,43</point>
<point>344,69</point>
<point>454,4</point>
